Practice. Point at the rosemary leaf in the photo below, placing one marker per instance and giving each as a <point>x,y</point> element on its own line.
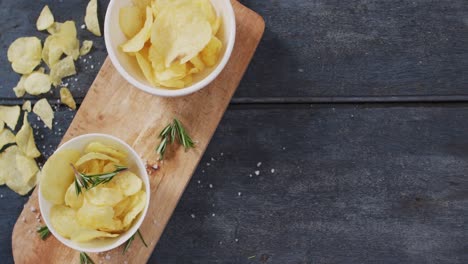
<point>170,133</point>
<point>85,259</point>
<point>130,240</point>
<point>44,232</point>
<point>89,181</point>
<point>141,237</point>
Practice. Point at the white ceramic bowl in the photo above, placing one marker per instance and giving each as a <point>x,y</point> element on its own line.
<point>128,68</point>
<point>135,165</point>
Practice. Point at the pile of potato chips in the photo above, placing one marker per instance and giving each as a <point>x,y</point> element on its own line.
<point>106,210</point>
<point>171,40</point>
<point>61,49</point>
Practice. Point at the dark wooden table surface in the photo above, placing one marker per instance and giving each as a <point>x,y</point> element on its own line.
<point>357,111</point>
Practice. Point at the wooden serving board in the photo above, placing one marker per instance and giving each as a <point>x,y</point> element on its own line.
<point>114,107</point>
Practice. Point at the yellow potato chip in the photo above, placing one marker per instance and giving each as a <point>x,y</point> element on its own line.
<point>198,63</point>
<point>37,83</point>
<point>54,28</point>
<point>44,111</point>
<point>26,106</point>
<point>176,71</point>
<point>8,164</point>
<point>103,196</point>
<point>91,18</point>
<point>91,167</point>
<point>173,83</point>
<point>57,175</point>
<point>96,217</point>
<point>145,65</point>
<point>142,3</point>
<point>87,234</point>
<point>10,115</point>
<point>180,32</point>
<point>25,54</point>
<point>104,149</point>
<point>215,27</point>
<point>86,47</point>
<point>138,41</point>
<point>63,220</point>
<point>45,20</point>
<point>2,125</point>
<point>25,139</point>
<point>6,137</point>
<point>137,206</point>
<point>123,207</point>
<point>19,88</point>
<point>67,98</point>
<point>127,182</point>
<point>52,50</point>
<point>73,200</point>
<point>62,69</point>
<point>131,20</point>
<point>210,53</point>
<point>64,40</point>
<point>94,156</point>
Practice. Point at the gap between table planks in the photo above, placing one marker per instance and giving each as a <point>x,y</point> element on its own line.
<point>114,107</point>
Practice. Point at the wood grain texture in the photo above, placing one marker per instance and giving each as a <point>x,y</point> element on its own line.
<point>114,107</point>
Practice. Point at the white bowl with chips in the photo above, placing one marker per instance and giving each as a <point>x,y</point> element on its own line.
<point>135,164</point>
<point>129,69</point>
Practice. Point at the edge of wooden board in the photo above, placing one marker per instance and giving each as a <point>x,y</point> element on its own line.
<point>26,245</point>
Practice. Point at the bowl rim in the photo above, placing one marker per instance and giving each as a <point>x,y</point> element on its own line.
<point>123,238</point>
<point>164,92</point>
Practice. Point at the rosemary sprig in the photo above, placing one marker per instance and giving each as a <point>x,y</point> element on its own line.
<point>85,259</point>
<point>130,240</point>
<point>89,181</point>
<point>172,132</point>
<point>44,232</point>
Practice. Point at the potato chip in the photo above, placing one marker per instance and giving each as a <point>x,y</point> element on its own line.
<point>25,139</point>
<point>215,27</point>
<point>173,83</point>
<point>44,111</point>
<point>8,164</point>
<point>64,40</point>
<point>45,20</point>
<point>123,207</point>
<point>57,175</point>
<point>104,149</point>
<point>63,220</point>
<point>2,125</point>
<point>103,196</point>
<point>198,63</point>
<point>67,98</point>
<point>180,32</point>
<point>26,106</point>
<point>145,65</point>
<point>37,83</point>
<point>91,18</point>
<point>25,54</point>
<point>6,137</point>
<point>62,69</point>
<point>176,71</point>
<point>91,167</point>
<point>127,182</point>
<point>142,3</point>
<point>10,115</point>
<point>87,234</point>
<point>137,206</point>
<point>86,47</point>
<point>97,217</point>
<point>94,156</point>
<point>54,28</point>
<point>73,200</point>
<point>52,50</point>
<point>131,20</point>
<point>211,52</point>
<point>19,88</point>
<point>138,41</point>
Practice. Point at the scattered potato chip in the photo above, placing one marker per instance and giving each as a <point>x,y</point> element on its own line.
<point>211,52</point>
<point>63,220</point>
<point>7,163</point>
<point>19,88</point>
<point>137,206</point>
<point>128,183</point>
<point>6,137</point>
<point>37,83</point>
<point>131,20</point>
<point>94,156</point>
<point>180,32</point>
<point>44,111</point>
<point>26,178</point>
<point>62,69</point>
<point>104,149</point>
<point>87,234</point>
<point>26,106</point>
<point>86,47</point>
<point>57,175</point>
<point>25,54</point>
<point>91,18</point>
<point>64,40</point>
<point>67,98</point>
<point>45,20</point>
<point>103,196</point>
<point>138,41</point>
<point>10,115</point>
<point>25,139</point>
<point>73,200</point>
<point>54,28</point>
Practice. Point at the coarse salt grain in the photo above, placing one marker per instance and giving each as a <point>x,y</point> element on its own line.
<point>212,159</point>
<point>208,164</point>
<point>257,172</point>
<point>259,164</point>
<point>83,26</point>
<point>237,240</point>
<point>108,257</point>
<point>250,175</point>
<point>213,214</point>
<point>222,154</point>
<point>192,215</point>
<point>272,170</point>
<point>199,181</point>
<point>239,194</point>
<point>211,185</point>
<point>33,209</point>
